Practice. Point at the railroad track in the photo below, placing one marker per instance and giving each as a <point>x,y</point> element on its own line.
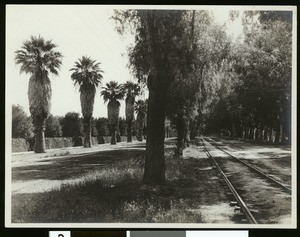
<point>239,200</point>
<point>283,166</point>
<point>284,187</point>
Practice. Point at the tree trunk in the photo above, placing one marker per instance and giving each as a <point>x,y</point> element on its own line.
<point>140,125</point>
<point>129,113</point>
<point>186,125</point>
<point>180,136</point>
<point>87,139</point>
<point>113,137</point>
<point>39,138</point>
<point>139,136</point>
<point>129,131</point>
<point>270,135</point>
<point>280,138</point>
<point>118,135</point>
<point>87,99</point>
<point>39,96</point>
<point>193,129</point>
<point>155,161</point>
<point>254,133</point>
<point>113,111</point>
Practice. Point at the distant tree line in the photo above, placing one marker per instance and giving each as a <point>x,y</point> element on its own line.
<point>246,93</point>
<point>70,125</point>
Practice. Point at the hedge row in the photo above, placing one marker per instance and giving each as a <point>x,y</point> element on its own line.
<point>21,144</point>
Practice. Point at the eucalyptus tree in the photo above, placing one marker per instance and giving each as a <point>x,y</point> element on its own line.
<point>38,58</point>
<point>131,90</point>
<point>204,43</point>
<point>265,65</point>
<point>154,59</point>
<point>112,93</point>
<point>141,110</point>
<point>87,74</point>
<point>246,90</point>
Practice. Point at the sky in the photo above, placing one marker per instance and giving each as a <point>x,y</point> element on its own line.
<point>77,31</point>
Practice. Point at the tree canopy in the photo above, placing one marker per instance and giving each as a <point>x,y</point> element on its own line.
<point>38,56</point>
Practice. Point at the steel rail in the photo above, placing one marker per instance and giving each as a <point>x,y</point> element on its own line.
<point>238,198</point>
<point>283,186</point>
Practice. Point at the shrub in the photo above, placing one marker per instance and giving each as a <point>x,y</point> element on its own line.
<point>53,127</point>
<point>71,125</point>
<point>21,124</point>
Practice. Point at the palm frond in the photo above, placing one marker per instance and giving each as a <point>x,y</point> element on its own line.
<point>38,56</point>
<point>131,89</point>
<point>86,73</point>
<point>141,106</point>
<point>112,92</point>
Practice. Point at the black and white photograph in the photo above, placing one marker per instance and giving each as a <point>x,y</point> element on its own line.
<point>136,116</point>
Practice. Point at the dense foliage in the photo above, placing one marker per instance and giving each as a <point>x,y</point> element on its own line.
<point>249,93</point>
<point>53,127</point>
<point>21,124</point>
<point>71,125</point>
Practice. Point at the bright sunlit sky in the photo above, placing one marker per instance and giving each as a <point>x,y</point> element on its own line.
<point>78,31</point>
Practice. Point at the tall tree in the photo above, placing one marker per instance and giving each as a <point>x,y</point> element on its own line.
<point>154,59</point>
<point>113,93</point>
<point>87,74</point>
<point>131,90</point>
<point>38,58</point>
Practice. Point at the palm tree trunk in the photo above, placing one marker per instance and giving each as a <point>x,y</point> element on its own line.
<point>118,136</point>
<point>87,140</point>
<point>113,110</point>
<point>87,98</point>
<point>39,96</point>
<point>39,138</point>
<point>113,137</point>
<point>140,125</point>
<point>129,112</point>
<point>129,130</point>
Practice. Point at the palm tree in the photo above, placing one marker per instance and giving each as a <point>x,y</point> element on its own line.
<point>37,57</point>
<point>141,110</point>
<point>113,93</point>
<point>131,90</point>
<point>87,74</point>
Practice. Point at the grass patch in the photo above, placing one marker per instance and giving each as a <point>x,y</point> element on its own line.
<point>113,194</point>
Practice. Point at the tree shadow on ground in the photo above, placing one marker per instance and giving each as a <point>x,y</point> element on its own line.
<point>73,166</point>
